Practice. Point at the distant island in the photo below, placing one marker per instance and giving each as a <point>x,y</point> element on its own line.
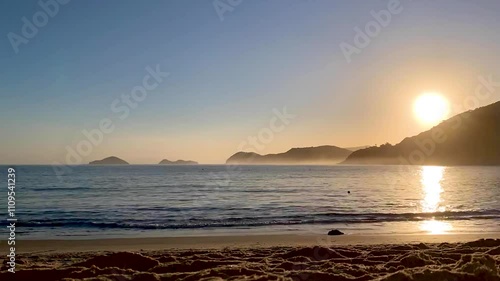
<point>178,162</point>
<point>470,138</point>
<point>327,154</point>
<point>109,161</point>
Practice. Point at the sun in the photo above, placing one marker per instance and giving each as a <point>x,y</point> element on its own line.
<point>431,108</point>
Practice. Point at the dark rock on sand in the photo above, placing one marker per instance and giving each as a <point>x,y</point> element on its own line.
<point>335,232</point>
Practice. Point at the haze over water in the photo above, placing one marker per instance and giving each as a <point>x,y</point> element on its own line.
<point>131,201</point>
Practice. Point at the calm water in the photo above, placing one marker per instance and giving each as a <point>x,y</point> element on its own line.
<point>126,201</point>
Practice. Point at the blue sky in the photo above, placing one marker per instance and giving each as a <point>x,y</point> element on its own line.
<point>226,77</point>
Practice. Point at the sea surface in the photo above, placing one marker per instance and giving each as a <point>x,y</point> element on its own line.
<point>154,200</point>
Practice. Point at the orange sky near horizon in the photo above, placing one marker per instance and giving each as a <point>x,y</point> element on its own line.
<point>227,79</point>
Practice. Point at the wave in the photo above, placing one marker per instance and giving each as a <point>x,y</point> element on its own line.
<point>194,223</point>
<point>59,189</point>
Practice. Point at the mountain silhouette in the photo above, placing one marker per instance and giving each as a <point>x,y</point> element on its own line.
<point>306,155</point>
<point>109,161</point>
<point>470,138</point>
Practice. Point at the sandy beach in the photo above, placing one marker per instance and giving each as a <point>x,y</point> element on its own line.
<point>262,257</point>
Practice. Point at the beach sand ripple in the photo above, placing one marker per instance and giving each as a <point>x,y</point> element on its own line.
<point>478,260</point>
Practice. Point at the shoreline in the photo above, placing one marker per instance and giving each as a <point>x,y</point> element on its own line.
<point>232,241</point>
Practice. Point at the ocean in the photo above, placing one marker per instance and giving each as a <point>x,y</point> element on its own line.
<point>154,200</point>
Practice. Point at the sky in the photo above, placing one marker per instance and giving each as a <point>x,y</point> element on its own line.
<point>262,76</point>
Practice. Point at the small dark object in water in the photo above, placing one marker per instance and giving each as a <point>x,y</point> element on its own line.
<point>335,232</point>
<point>348,192</point>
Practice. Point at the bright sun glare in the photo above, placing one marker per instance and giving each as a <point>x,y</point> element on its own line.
<point>431,108</point>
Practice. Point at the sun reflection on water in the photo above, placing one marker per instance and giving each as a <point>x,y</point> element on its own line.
<point>435,227</point>
<point>431,184</point>
<point>431,177</point>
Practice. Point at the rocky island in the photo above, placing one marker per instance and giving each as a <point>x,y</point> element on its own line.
<point>178,162</point>
<point>109,161</point>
